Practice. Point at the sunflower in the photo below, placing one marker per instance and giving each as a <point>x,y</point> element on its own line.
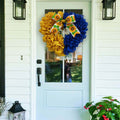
<point>68,19</point>
<point>72,28</point>
<point>61,14</point>
<point>57,17</point>
<point>59,24</point>
<point>54,30</point>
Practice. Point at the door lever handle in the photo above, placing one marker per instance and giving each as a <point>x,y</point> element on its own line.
<point>38,76</point>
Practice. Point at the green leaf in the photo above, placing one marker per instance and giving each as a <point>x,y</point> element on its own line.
<point>101,103</point>
<point>110,115</point>
<point>118,106</point>
<point>101,113</point>
<point>94,117</point>
<point>107,101</point>
<point>88,104</point>
<point>117,112</point>
<point>116,100</point>
<point>92,110</point>
<point>108,97</point>
<point>101,118</point>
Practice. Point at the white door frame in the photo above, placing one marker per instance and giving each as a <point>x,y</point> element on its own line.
<point>33,60</point>
<point>33,56</point>
<point>93,50</point>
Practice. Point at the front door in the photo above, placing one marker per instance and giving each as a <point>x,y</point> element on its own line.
<point>64,88</point>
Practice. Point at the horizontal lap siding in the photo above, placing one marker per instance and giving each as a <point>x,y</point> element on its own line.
<point>107,54</point>
<point>18,72</point>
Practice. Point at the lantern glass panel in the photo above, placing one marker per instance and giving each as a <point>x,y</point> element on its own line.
<point>10,116</point>
<point>16,116</point>
<point>19,9</point>
<point>109,9</point>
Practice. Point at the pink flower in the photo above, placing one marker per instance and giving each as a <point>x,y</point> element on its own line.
<point>104,116</point>
<point>109,109</point>
<point>100,105</point>
<point>86,108</point>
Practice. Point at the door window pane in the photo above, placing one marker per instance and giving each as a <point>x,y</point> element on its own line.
<point>77,11</point>
<point>53,67</point>
<point>73,62</point>
<point>52,10</point>
<point>73,66</point>
<point>53,63</point>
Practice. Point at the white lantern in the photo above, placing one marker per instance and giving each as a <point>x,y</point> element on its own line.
<point>16,112</point>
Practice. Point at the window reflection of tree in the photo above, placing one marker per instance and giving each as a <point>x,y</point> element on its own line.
<point>74,65</point>
<point>53,67</point>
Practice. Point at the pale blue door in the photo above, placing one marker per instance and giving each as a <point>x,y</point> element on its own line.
<point>64,81</point>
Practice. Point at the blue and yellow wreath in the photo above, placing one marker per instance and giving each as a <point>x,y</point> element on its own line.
<point>63,31</point>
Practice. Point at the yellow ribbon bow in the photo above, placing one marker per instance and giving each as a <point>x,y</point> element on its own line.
<point>70,20</point>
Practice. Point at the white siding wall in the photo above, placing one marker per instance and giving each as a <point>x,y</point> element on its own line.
<point>18,72</point>
<point>107,54</point>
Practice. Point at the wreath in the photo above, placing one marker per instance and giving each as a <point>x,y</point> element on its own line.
<point>63,32</point>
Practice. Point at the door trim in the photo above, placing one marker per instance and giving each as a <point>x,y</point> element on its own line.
<point>33,57</point>
<point>93,50</point>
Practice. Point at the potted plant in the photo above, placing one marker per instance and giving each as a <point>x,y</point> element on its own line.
<point>106,109</point>
<point>3,106</point>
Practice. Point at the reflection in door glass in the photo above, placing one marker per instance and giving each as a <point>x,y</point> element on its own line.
<point>73,66</point>
<point>53,67</point>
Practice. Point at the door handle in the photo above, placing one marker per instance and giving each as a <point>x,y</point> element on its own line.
<point>38,76</point>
